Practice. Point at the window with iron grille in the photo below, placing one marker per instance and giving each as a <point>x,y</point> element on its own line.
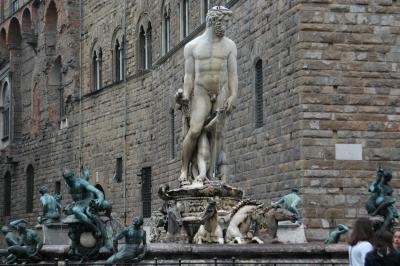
<point>30,175</point>
<point>7,194</point>
<point>258,93</point>
<point>146,191</point>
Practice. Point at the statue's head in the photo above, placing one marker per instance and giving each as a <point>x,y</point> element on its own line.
<point>387,176</point>
<point>138,221</point>
<point>43,190</point>
<point>217,18</point>
<point>5,229</point>
<point>68,173</point>
<point>19,224</point>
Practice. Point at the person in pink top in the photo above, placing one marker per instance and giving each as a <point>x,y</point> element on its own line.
<point>359,242</point>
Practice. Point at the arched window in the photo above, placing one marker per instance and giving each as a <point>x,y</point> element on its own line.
<point>96,70</point>
<point>145,46</point>
<point>30,180</point>
<point>7,194</point>
<point>149,46</point>
<point>166,32</point>
<point>4,54</point>
<point>119,60</point>
<point>6,110</point>
<point>14,37</point>
<point>26,21</point>
<point>184,18</point>
<point>258,93</point>
<point>50,29</point>
<point>142,47</point>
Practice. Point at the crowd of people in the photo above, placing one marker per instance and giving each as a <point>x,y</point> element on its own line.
<point>373,248</point>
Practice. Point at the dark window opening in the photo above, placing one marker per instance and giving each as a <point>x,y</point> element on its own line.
<point>119,61</point>
<point>30,175</point>
<point>185,18</point>
<point>258,94</point>
<point>148,47</point>
<point>57,188</point>
<point>6,111</point>
<point>167,25</point>
<point>118,170</point>
<point>206,6</point>
<point>7,194</point>
<point>146,191</point>
<point>96,70</point>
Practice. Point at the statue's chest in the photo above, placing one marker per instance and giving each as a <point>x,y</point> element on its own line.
<point>132,234</point>
<point>208,51</point>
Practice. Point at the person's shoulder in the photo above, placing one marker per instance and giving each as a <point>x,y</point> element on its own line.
<point>229,42</point>
<point>193,43</point>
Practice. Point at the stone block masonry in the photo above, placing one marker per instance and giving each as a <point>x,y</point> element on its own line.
<point>330,76</point>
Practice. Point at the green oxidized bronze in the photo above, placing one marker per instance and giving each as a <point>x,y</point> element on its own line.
<point>334,236</point>
<point>51,207</point>
<point>381,202</point>
<point>290,202</point>
<point>28,246</point>
<point>135,244</point>
<point>87,230</point>
<point>11,240</point>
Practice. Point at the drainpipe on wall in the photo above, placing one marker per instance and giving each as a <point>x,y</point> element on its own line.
<point>80,84</point>
<point>125,107</point>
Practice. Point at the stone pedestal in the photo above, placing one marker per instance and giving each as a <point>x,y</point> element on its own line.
<point>291,233</point>
<point>192,200</point>
<point>54,234</point>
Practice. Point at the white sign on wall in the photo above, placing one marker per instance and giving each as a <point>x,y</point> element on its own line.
<point>348,151</point>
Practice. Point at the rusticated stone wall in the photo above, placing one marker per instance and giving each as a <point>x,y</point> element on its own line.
<point>330,75</point>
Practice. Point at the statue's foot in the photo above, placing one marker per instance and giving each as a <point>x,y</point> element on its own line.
<point>184,180</point>
<point>200,179</point>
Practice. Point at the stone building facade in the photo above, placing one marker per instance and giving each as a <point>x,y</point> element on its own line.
<point>93,83</point>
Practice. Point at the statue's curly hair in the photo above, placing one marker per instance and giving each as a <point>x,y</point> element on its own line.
<point>215,12</point>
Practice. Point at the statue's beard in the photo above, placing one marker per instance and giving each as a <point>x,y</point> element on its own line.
<point>218,30</point>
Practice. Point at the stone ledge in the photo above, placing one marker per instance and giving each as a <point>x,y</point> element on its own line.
<point>165,251</point>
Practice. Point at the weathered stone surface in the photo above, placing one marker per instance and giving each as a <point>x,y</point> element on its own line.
<point>329,76</point>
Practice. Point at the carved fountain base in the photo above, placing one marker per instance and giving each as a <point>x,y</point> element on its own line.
<point>193,200</point>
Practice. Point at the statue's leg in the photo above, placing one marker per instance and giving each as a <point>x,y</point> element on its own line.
<point>80,215</point>
<point>19,251</point>
<point>201,107</point>
<point>233,233</point>
<point>11,259</point>
<point>203,156</point>
<point>116,258</point>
